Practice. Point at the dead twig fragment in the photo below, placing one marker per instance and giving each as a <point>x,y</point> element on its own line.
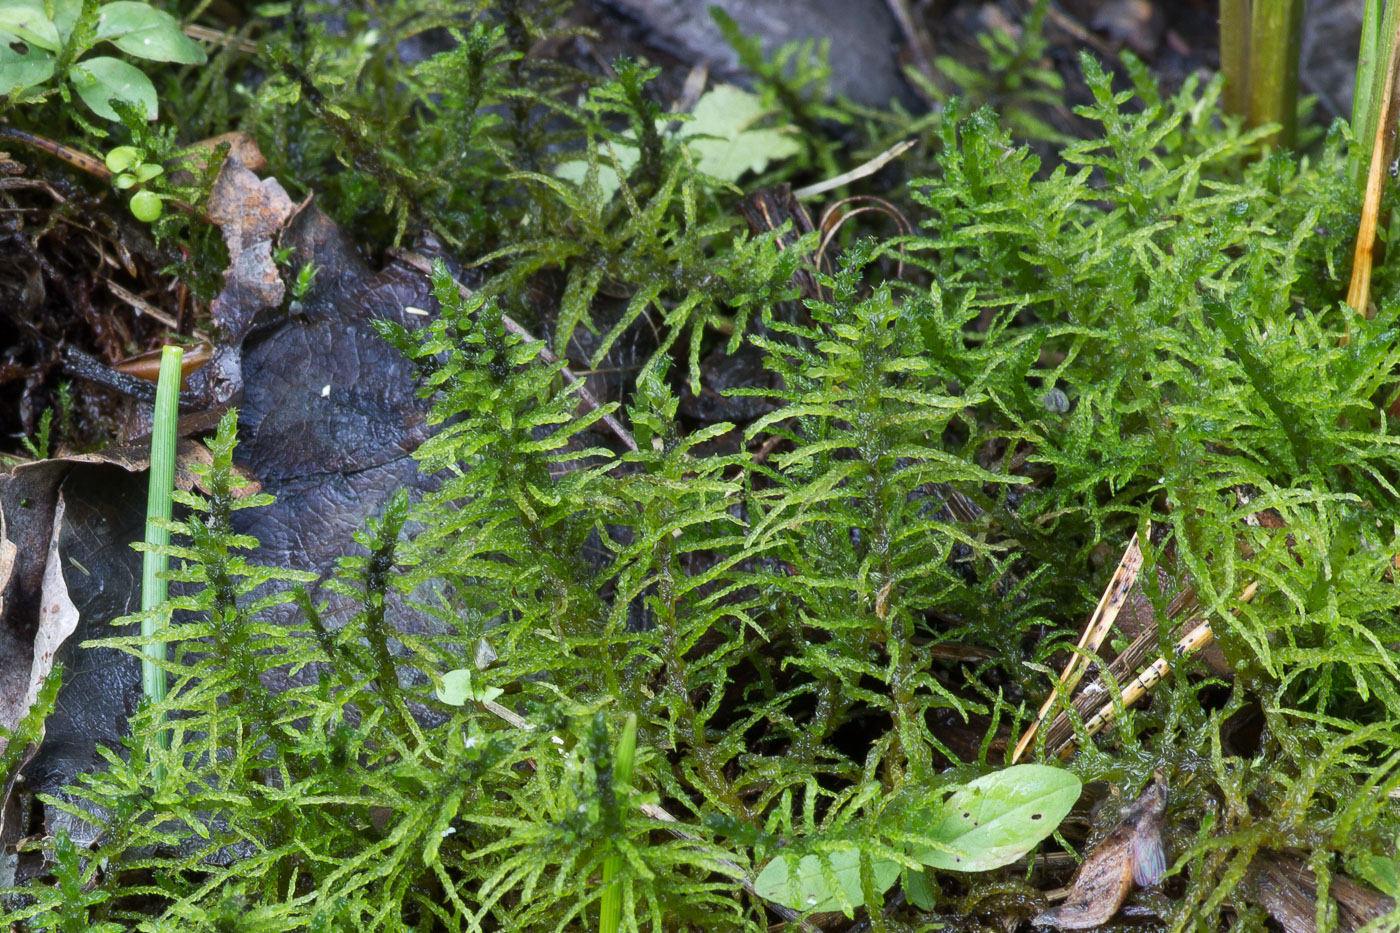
<point>869,167</point>
<point>1100,623</point>
<point>1193,641</point>
<point>142,306</point>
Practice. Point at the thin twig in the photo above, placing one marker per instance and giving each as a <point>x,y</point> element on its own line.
<point>142,306</point>
<point>1098,627</point>
<point>219,37</point>
<point>422,264</point>
<point>860,171</point>
<point>1190,643</point>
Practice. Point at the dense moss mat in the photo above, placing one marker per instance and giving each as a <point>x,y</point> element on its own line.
<point>1146,337</point>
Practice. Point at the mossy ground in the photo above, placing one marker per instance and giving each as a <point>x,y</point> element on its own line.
<point>1143,335</point>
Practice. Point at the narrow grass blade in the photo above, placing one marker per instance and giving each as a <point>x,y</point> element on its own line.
<point>153,584</point>
<point>610,918</point>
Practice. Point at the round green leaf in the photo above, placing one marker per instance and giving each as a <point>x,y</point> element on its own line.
<point>144,31</point>
<point>98,80</point>
<point>807,884</point>
<point>146,171</point>
<point>27,20</point>
<point>145,206</point>
<point>122,158</point>
<point>124,180</point>
<point>995,819</point>
<point>22,64</point>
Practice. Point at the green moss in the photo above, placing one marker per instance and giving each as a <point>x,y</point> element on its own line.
<point>1136,338</point>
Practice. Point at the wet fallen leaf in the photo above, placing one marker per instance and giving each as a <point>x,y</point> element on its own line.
<point>1130,854</point>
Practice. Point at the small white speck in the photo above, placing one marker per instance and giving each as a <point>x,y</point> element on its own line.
<point>448,831</point>
<point>326,390</point>
<point>583,808</point>
<point>145,41</point>
<point>811,898</point>
<point>417,312</point>
<point>470,742</point>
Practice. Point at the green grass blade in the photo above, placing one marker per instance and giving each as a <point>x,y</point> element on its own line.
<point>153,584</point>
<point>610,918</point>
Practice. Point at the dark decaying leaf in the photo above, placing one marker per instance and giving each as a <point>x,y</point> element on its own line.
<point>1287,889</point>
<point>1131,853</point>
<point>328,422</point>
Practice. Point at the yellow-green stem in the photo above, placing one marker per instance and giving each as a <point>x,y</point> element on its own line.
<point>1275,42</point>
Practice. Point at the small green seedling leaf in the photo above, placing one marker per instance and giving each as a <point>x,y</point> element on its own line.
<point>27,20</point>
<point>457,688</point>
<point>122,158</point>
<point>1382,872</point>
<point>22,64</point>
<point>720,136</point>
<point>805,884</point>
<point>142,30</point>
<point>123,181</point>
<point>98,80</point>
<point>995,819</point>
<point>146,206</point>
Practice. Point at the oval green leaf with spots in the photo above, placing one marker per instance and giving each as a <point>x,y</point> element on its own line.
<point>810,883</point>
<point>995,819</point>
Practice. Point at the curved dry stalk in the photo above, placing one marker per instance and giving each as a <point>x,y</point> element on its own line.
<point>869,167</point>
<point>879,205</point>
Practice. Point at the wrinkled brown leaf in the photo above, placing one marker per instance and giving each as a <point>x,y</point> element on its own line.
<point>1107,876</point>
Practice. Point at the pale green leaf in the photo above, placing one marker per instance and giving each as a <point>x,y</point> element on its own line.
<point>806,884</point>
<point>27,20</point>
<point>723,139</point>
<point>995,819</point>
<point>577,170</point>
<point>65,14</point>
<point>458,687</point>
<point>142,30</point>
<point>99,80</point>
<point>146,206</point>
<point>22,64</point>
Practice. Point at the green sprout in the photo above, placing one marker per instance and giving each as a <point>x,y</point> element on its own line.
<point>158,510</point>
<point>610,917</point>
<point>129,169</point>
